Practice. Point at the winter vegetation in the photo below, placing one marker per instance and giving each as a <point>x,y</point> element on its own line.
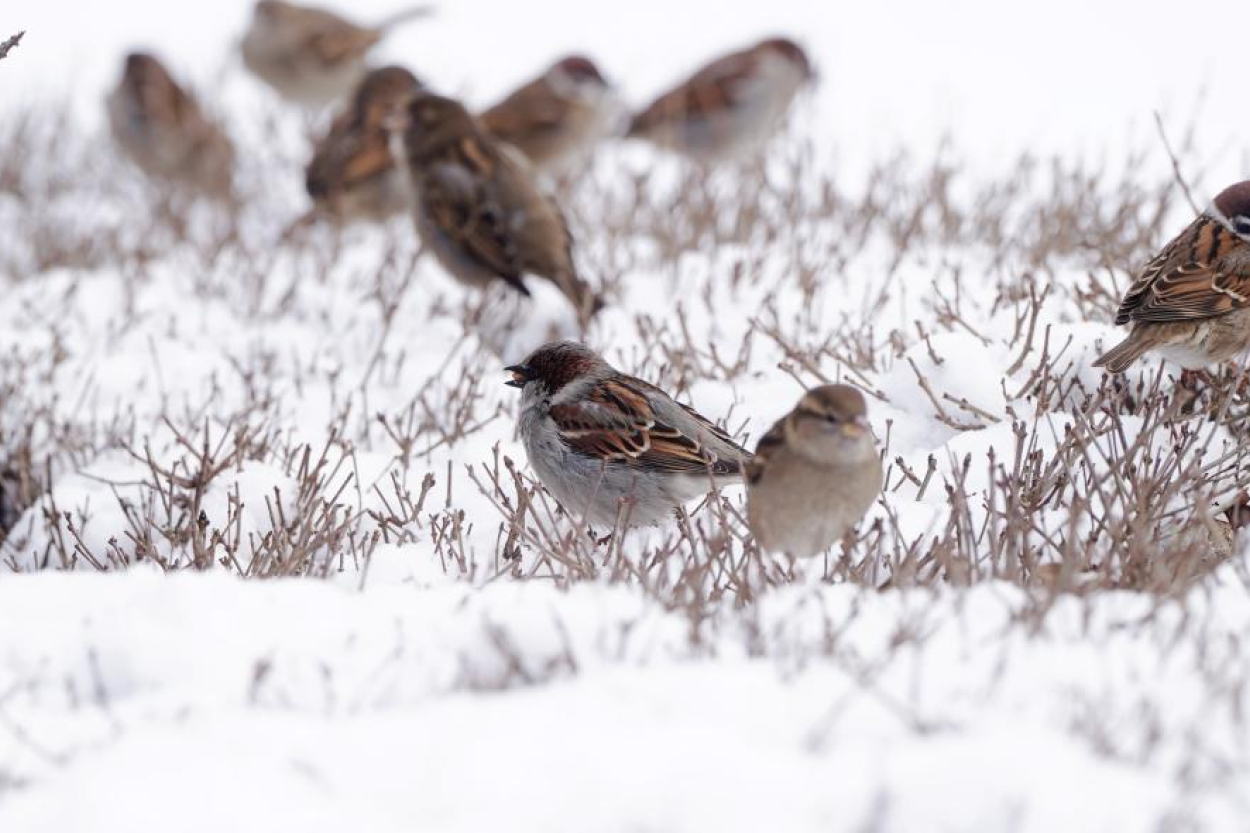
<point>272,557</point>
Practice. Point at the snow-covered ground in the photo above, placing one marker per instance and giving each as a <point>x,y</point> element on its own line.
<point>330,412</point>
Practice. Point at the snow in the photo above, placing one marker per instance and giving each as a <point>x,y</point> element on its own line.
<point>427,686</point>
<point>209,701</point>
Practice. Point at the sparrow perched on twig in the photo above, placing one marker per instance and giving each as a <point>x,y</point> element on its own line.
<point>608,445</point>
<point>309,55</point>
<point>731,106</point>
<point>557,118</point>
<point>162,130</point>
<point>353,174</point>
<point>814,474</point>
<point>478,209</point>
<point>1192,302</point>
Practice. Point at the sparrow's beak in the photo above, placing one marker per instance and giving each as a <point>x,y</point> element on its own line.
<point>856,428</point>
<point>520,375</point>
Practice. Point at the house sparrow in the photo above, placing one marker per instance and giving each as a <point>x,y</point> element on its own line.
<point>353,174</point>
<point>309,55</point>
<point>606,444</point>
<point>162,130</point>
<point>478,209</point>
<point>731,106</point>
<point>1192,302</point>
<point>814,474</point>
<point>558,117</point>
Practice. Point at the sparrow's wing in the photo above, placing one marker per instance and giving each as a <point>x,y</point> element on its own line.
<point>542,240</point>
<point>615,421</point>
<point>321,175</point>
<point>1182,284</point>
<point>768,445</point>
<point>529,114</point>
<point>350,155</point>
<point>458,197</point>
<point>713,89</point>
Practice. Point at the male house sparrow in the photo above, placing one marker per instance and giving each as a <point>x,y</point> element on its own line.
<point>814,474</point>
<point>1192,302</point>
<point>353,174</point>
<point>606,444</point>
<point>309,55</point>
<point>478,209</point>
<point>162,130</point>
<point>558,117</point>
<point>731,106</point>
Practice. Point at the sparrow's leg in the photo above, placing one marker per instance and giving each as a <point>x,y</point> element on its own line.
<point>1121,394</point>
<point>1190,387</point>
<point>1188,392</point>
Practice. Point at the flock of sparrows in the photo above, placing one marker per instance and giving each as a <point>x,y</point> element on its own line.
<point>618,451</point>
<point>613,450</point>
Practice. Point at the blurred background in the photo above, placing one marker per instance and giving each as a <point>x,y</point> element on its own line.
<point>996,78</point>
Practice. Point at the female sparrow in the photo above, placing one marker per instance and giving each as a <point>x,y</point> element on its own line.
<point>309,55</point>
<point>608,445</point>
<point>731,106</point>
<point>353,174</point>
<point>814,475</point>
<point>478,208</point>
<point>558,117</point>
<point>162,129</point>
<point>1192,302</point>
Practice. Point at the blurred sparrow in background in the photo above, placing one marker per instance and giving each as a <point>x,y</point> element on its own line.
<point>731,107</point>
<point>353,175</point>
<point>161,128</point>
<point>311,56</point>
<point>1192,302</point>
<point>608,445</point>
<point>478,209</point>
<point>556,119</point>
<point>814,474</point>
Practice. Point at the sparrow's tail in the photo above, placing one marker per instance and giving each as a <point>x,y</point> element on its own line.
<point>586,301</point>
<point>1126,352</point>
<point>406,15</point>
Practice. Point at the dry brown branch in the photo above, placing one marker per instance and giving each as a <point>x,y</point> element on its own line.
<point>7,46</point>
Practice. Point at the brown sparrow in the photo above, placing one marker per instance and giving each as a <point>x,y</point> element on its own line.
<point>161,128</point>
<point>608,445</point>
<point>309,55</point>
<point>814,474</point>
<point>1192,302</point>
<point>353,174</point>
<point>731,106</point>
<point>558,117</point>
<point>478,208</point>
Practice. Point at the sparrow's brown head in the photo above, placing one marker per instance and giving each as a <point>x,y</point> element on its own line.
<point>555,365</point>
<point>434,123</point>
<point>144,68</point>
<point>828,419</point>
<point>789,50</point>
<point>580,70</point>
<point>272,10</point>
<point>1233,205</point>
<point>383,92</point>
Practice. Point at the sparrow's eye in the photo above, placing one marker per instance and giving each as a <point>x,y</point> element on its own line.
<point>1241,225</point>
<point>830,418</point>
